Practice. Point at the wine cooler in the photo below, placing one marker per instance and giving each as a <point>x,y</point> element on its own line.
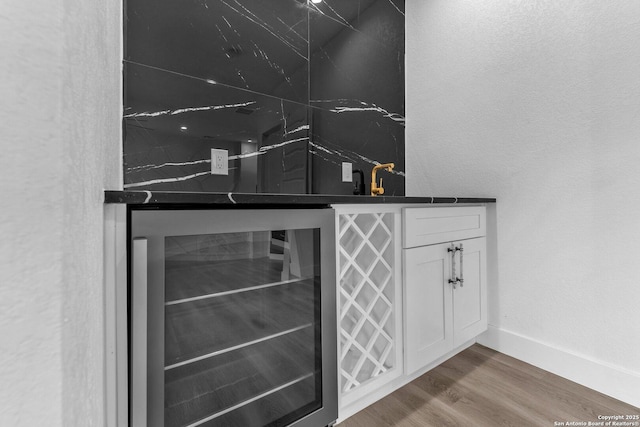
<point>232,318</point>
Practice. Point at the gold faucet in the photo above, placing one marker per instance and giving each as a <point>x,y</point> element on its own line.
<point>375,190</point>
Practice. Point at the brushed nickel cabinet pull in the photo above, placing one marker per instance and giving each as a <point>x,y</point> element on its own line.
<point>461,279</point>
<point>453,279</point>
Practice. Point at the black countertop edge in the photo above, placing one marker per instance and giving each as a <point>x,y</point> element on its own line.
<point>179,197</point>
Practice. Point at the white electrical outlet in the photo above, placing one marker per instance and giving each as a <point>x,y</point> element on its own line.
<point>347,172</point>
<point>219,162</point>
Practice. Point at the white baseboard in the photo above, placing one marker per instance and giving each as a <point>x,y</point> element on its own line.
<point>608,379</point>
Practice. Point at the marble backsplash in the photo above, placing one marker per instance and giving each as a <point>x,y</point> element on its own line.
<point>291,90</point>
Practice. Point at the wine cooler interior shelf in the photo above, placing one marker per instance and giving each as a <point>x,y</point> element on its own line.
<point>241,328</point>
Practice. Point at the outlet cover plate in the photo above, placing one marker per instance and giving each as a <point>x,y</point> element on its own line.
<point>219,162</point>
<point>347,172</point>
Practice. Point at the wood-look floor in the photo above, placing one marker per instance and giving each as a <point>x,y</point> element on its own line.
<point>480,387</point>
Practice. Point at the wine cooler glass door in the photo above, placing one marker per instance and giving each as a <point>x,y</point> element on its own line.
<point>239,318</point>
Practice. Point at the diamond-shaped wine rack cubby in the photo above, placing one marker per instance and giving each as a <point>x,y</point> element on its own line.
<point>367,301</point>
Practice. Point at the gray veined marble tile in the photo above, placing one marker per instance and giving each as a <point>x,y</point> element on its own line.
<point>172,122</point>
<point>289,89</point>
<point>357,92</point>
<point>381,20</point>
<point>363,138</point>
<point>345,70</point>
<point>261,46</point>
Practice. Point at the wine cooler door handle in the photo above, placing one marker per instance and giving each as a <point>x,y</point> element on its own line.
<point>139,334</point>
<point>453,279</point>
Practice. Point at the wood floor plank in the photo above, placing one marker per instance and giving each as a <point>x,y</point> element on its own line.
<point>425,406</point>
<point>481,387</point>
<point>548,394</point>
<point>441,387</point>
<point>566,397</point>
<point>501,384</point>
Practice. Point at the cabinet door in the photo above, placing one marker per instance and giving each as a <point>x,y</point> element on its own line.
<point>428,303</point>
<point>470,298</point>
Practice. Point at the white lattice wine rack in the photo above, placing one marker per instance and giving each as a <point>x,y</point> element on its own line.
<point>368,306</point>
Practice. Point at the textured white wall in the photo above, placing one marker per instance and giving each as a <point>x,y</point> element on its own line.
<point>538,104</point>
<point>92,111</point>
<point>60,135</point>
<point>31,216</point>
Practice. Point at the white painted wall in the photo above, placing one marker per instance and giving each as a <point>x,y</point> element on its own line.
<point>31,216</point>
<point>60,101</point>
<point>538,104</point>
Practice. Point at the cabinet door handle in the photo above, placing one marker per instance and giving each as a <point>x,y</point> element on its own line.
<point>139,333</point>
<point>461,279</point>
<point>453,279</point>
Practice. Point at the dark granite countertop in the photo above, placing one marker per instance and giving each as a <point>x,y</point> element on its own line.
<point>194,198</point>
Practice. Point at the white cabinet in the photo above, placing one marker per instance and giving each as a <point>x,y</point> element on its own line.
<point>369,301</point>
<point>445,281</point>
